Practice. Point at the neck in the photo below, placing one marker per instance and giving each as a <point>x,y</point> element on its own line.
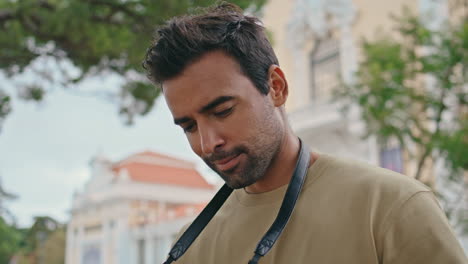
<point>281,168</point>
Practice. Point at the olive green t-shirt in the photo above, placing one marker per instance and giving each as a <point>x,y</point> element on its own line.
<point>348,212</point>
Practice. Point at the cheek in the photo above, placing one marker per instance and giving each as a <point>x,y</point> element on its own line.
<point>246,134</point>
<point>252,121</point>
<point>194,142</point>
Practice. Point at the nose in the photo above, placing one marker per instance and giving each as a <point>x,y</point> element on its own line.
<point>210,140</point>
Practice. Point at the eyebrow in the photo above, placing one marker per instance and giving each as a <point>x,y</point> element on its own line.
<point>217,101</point>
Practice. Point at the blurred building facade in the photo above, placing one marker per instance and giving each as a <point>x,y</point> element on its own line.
<point>317,43</point>
<point>130,211</point>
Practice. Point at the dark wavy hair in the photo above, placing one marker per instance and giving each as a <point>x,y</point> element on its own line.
<point>182,40</point>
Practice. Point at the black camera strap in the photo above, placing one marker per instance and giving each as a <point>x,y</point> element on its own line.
<point>198,224</point>
<point>269,239</point>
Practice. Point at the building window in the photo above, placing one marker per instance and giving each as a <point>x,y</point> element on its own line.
<point>91,254</point>
<point>92,229</point>
<point>391,158</point>
<point>141,251</point>
<point>325,69</point>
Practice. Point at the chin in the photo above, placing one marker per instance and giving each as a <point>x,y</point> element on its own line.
<point>237,185</point>
<point>236,181</point>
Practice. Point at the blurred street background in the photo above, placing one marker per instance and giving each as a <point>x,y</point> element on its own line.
<point>93,170</point>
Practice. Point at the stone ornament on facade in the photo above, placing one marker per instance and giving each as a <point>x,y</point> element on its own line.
<point>310,23</point>
<point>309,19</point>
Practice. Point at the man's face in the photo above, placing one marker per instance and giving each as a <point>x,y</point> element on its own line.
<point>234,128</point>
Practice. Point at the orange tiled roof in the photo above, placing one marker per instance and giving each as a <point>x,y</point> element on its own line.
<point>157,168</point>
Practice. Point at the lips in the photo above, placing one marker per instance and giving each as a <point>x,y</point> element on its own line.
<point>227,163</point>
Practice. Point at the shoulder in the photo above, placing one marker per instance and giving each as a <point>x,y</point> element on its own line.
<point>374,193</point>
<point>364,177</point>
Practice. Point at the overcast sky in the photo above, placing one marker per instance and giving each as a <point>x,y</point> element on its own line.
<point>45,148</point>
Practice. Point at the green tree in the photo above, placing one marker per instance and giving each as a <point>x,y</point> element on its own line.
<point>39,232</point>
<point>82,39</point>
<point>413,88</point>
<point>10,236</point>
<point>9,241</point>
<point>5,196</point>
<point>53,249</point>
<point>43,242</point>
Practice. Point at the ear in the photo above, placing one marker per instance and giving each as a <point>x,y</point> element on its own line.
<point>278,85</point>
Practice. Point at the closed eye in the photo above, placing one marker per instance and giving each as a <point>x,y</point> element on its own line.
<point>224,112</point>
<point>189,128</point>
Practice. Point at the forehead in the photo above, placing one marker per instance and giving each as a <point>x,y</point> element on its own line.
<point>214,74</point>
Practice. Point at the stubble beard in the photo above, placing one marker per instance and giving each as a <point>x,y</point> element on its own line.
<point>259,156</point>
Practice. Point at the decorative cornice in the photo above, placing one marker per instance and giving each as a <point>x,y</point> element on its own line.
<point>140,191</point>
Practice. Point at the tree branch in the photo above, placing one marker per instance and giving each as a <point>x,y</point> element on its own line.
<point>438,120</point>
<point>421,162</point>
<point>118,7</point>
<point>5,15</point>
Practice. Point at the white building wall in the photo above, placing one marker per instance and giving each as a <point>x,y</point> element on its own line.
<point>123,242</point>
<point>303,23</point>
<point>111,209</point>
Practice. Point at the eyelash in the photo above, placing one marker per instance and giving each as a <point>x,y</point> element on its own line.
<point>223,113</point>
<point>188,128</point>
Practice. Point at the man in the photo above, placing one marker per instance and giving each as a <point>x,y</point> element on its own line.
<point>222,83</point>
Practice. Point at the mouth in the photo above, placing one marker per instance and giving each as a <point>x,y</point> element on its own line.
<point>228,163</point>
